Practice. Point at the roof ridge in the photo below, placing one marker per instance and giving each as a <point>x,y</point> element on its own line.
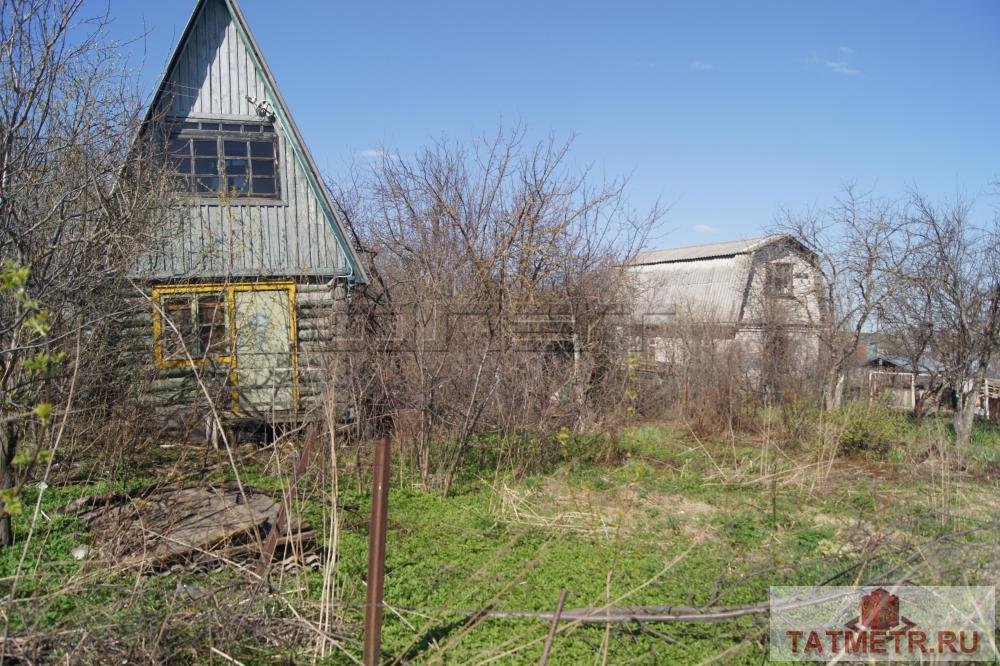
<point>718,249</point>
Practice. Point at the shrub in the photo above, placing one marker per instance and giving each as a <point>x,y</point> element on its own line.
<point>871,430</point>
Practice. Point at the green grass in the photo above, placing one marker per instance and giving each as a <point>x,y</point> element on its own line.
<point>653,518</point>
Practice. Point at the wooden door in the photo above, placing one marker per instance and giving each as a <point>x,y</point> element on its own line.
<point>264,366</point>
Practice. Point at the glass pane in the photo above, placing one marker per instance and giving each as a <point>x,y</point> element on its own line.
<point>205,147</point>
<point>206,167</point>
<point>261,149</point>
<point>182,165</point>
<point>182,184</point>
<point>237,167</point>
<point>235,148</point>
<point>212,326</point>
<point>252,127</point>
<point>178,310</point>
<point>210,126</point>
<point>177,330</point>
<point>239,183</point>
<point>211,308</point>
<point>264,186</point>
<point>180,146</point>
<point>263,167</point>
<point>208,184</point>
<point>230,127</point>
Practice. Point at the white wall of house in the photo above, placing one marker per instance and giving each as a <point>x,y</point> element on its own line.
<point>728,302</point>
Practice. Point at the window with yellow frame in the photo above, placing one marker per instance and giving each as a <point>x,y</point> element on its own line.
<point>194,323</point>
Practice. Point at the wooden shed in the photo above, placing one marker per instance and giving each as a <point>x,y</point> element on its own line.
<point>242,293</point>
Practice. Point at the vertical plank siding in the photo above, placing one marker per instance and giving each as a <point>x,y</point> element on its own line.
<point>213,76</point>
<point>230,240</point>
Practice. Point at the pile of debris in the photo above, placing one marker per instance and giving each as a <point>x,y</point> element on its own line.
<point>157,528</point>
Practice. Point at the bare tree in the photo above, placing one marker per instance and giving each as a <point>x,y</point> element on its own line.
<point>908,332</point>
<point>75,197</point>
<point>860,243</point>
<point>503,272</point>
<point>953,278</point>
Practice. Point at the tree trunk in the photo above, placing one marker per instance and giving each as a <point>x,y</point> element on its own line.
<point>918,412</point>
<point>8,447</point>
<point>833,392</point>
<point>965,413</point>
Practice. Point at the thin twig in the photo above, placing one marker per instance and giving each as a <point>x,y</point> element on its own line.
<point>552,628</point>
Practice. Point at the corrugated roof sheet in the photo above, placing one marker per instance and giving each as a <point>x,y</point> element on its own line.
<point>706,251</point>
<point>924,364</point>
<point>707,290</point>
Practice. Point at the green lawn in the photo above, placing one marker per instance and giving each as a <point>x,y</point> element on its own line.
<point>675,519</point>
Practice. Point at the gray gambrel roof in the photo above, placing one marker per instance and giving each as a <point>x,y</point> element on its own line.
<point>706,251</point>
<point>302,235</point>
<point>707,283</point>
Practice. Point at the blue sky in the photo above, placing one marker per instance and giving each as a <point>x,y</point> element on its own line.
<point>723,110</point>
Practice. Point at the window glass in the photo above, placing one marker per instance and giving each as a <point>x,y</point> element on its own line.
<point>261,149</point>
<point>263,167</point>
<point>194,325</point>
<point>204,184</point>
<point>235,148</point>
<point>212,339</point>
<point>264,186</point>
<point>206,166</point>
<point>178,328</point>
<point>210,157</point>
<point>779,279</point>
<point>237,167</point>
<point>205,147</point>
<point>240,184</point>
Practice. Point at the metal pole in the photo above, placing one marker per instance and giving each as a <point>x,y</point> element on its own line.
<point>376,554</point>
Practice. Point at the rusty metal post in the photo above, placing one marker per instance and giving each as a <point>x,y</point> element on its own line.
<point>376,553</point>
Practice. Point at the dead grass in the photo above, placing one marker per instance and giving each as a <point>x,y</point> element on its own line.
<point>563,504</point>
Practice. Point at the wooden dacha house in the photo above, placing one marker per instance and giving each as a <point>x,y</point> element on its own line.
<point>243,288</point>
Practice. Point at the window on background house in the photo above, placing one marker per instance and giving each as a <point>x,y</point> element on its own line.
<point>779,279</point>
<point>240,159</point>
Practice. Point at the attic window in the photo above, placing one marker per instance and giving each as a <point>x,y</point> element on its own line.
<point>779,280</point>
<point>238,159</point>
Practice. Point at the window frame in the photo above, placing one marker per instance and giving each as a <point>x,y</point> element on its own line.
<point>228,292</point>
<point>178,303</point>
<point>192,295</point>
<point>774,287</point>
<point>221,131</point>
